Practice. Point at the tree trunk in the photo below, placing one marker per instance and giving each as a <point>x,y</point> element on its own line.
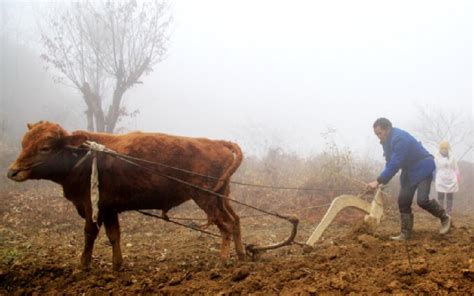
<point>90,120</point>
<point>93,102</point>
<point>114,110</point>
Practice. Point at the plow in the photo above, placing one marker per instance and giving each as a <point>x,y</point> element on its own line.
<point>374,210</point>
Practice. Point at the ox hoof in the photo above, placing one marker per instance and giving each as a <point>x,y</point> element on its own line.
<point>85,267</point>
<point>117,267</point>
<point>226,262</point>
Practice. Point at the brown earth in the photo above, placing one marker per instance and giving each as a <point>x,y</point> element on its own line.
<point>41,240</point>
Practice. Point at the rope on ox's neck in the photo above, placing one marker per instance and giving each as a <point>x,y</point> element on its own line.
<point>93,148</point>
<point>193,173</point>
<point>94,188</point>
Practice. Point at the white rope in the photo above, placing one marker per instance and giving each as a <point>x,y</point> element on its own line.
<point>94,188</point>
<point>94,148</point>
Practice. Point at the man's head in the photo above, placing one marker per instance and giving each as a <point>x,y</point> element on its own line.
<point>382,128</point>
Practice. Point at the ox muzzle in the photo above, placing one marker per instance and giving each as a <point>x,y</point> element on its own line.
<point>15,175</point>
<point>12,173</point>
<point>18,174</point>
<point>21,173</point>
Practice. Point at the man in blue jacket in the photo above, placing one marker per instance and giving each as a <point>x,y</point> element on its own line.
<point>403,151</point>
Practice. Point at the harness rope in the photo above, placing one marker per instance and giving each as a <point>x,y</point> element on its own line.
<point>128,157</point>
<point>177,223</point>
<point>244,216</point>
<point>93,148</point>
<point>202,188</point>
<point>251,249</point>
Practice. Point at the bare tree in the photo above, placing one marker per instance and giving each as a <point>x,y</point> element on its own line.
<point>435,124</point>
<point>103,48</point>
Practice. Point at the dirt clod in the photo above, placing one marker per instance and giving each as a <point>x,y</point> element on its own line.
<point>240,274</point>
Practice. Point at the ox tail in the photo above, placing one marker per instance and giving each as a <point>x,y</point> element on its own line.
<point>238,156</point>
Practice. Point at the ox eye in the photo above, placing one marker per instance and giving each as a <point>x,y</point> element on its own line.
<point>46,149</point>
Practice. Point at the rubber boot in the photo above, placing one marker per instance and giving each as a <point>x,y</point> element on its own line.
<point>436,210</point>
<point>406,221</point>
<point>445,224</point>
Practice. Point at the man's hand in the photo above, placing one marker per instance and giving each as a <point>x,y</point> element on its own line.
<point>372,186</point>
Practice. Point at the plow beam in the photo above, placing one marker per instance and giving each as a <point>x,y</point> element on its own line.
<point>253,250</point>
<point>374,210</point>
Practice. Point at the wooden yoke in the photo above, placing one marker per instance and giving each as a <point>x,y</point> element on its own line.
<point>374,210</point>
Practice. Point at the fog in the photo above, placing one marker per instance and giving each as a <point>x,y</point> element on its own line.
<point>279,74</point>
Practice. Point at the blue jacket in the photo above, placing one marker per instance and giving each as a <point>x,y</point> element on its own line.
<point>403,151</point>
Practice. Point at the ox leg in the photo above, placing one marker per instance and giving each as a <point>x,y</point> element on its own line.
<point>226,231</point>
<point>213,207</point>
<point>91,230</point>
<point>112,228</point>
<point>236,233</point>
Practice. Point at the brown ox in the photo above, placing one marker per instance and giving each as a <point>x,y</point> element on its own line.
<point>123,187</point>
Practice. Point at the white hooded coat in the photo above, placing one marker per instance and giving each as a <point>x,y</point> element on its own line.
<point>446,173</point>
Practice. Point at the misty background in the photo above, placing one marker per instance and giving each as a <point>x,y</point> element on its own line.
<point>297,84</point>
<point>269,74</point>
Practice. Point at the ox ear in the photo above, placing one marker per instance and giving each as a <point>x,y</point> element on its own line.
<point>75,140</point>
<point>32,125</point>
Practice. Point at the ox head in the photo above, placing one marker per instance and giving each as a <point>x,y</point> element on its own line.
<point>42,146</point>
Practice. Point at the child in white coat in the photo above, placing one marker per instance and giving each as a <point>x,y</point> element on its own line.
<point>447,175</point>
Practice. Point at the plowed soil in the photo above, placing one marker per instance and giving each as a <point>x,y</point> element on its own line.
<point>41,238</point>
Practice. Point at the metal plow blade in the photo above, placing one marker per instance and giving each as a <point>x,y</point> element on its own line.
<point>374,210</point>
